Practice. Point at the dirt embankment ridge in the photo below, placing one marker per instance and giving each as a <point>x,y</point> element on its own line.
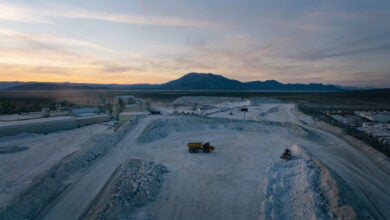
<point>47,187</point>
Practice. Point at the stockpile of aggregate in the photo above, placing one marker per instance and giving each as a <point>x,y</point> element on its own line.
<point>133,185</point>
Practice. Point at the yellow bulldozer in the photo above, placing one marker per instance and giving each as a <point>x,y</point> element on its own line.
<point>195,147</point>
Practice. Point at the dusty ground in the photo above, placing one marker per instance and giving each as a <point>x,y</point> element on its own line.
<point>244,178</point>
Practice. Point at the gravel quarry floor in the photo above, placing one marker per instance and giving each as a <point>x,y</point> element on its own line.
<point>244,178</point>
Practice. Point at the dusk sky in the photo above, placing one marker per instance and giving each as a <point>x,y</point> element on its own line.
<point>110,41</point>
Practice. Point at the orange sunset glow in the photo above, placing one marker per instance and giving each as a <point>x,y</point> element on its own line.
<point>140,42</point>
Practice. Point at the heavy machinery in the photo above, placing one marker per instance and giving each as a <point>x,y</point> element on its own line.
<point>195,147</point>
<point>286,154</point>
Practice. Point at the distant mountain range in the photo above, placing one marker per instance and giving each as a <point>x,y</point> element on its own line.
<point>209,81</point>
<point>190,81</point>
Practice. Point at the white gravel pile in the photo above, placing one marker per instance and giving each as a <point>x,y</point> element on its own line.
<point>133,185</point>
<point>159,129</point>
<point>264,100</point>
<point>206,100</point>
<point>162,128</point>
<point>303,188</point>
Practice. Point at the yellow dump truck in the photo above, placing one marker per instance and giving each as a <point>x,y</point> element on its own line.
<point>195,147</point>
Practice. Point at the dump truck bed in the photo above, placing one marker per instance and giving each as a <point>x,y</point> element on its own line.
<point>195,147</point>
<point>195,144</point>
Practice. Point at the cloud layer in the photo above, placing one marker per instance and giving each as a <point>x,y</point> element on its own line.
<point>121,42</point>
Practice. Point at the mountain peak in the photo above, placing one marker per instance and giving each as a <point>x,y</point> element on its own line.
<point>202,81</point>
<point>201,75</point>
<point>210,81</point>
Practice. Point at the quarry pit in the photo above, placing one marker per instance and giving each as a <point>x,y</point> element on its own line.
<point>143,170</point>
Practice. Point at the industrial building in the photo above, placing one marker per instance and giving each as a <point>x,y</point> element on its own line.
<point>128,107</point>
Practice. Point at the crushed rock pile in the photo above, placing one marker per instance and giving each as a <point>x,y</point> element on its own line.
<point>212,100</point>
<point>303,188</point>
<point>133,185</point>
<point>159,129</point>
<point>264,100</point>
